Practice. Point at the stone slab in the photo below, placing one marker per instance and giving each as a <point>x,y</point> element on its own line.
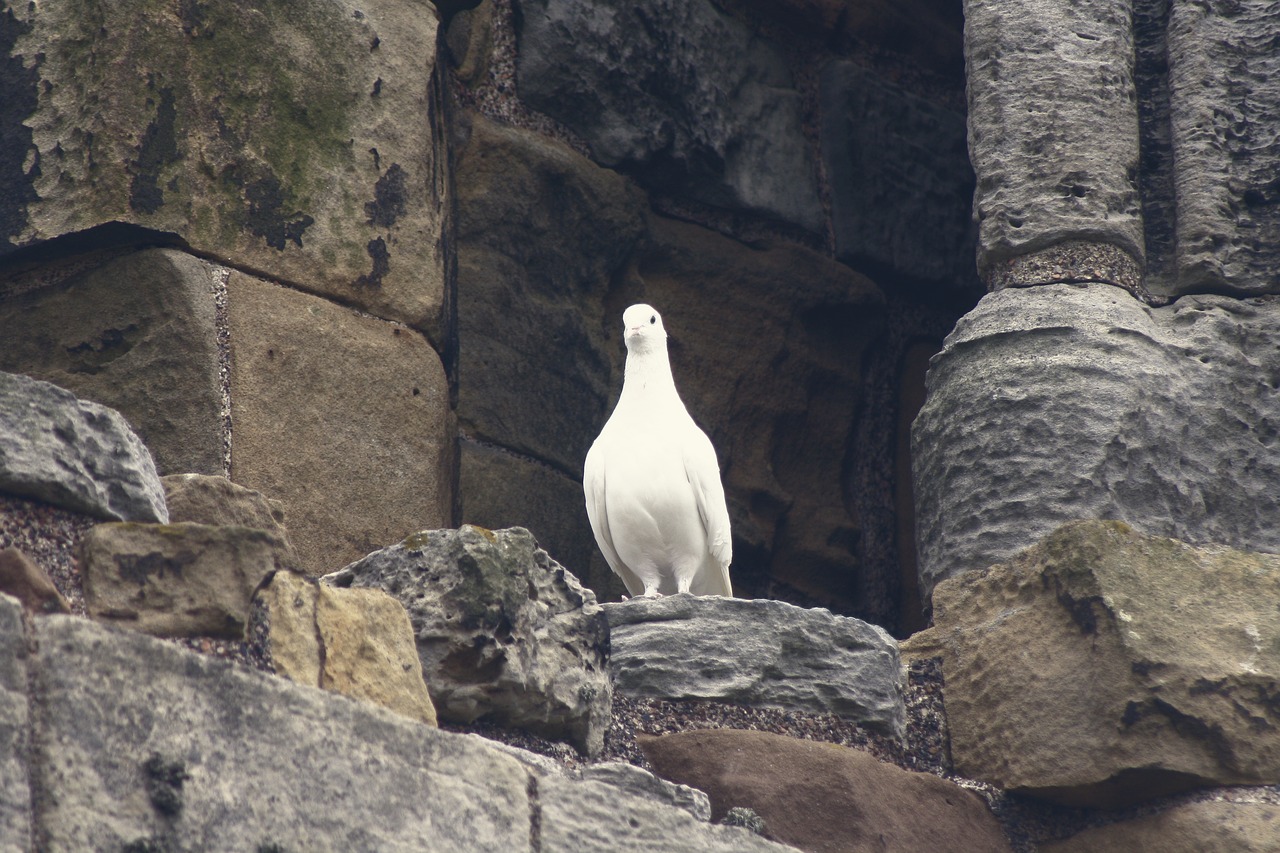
<point>1238,827</point>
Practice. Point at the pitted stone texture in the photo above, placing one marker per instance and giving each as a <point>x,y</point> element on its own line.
<point>504,632</point>
<point>136,333</point>
<point>342,417</point>
<point>826,798</point>
<point>757,652</point>
<point>901,183</point>
<point>1224,104</point>
<point>1072,262</point>
<point>139,742</point>
<point>177,580</point>
<point>1061,402</point>
<point>75,454</point>
<point>292,137</point>
<point>15,781</point>
<point>1043,76</point>
<point>1238,827</point>
<point>678,93</point>
<point>1103,667</point>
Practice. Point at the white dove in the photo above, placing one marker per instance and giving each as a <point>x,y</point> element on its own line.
<point>652,482</point>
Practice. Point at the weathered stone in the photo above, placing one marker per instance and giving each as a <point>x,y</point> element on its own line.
<point>216,500</point>
<point>176,579</point>
<point>767,345</point>
<point>136,333</point>
<point>500,489</point>
<point>15,779</point>
<point>469,41</point>
<point>823,797</point>
<point>758,652</point>
<point>679,93</point>
<point>24,580</point>
<point>139,742</point>
<point>289,602</point>
<point>1053,126</point>
<point>344,418</point>
<point>1192,828</point>
<point>75,454</point>
<point>1224,104</point>
<point>294,138</point>
<point>504,632</point>
<point>543,234</point>
<point>1103,667</point>
<point>1064,402</point>
<point>641,782</point>
<point>901,183</point>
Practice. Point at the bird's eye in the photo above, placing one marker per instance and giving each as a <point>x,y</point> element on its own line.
<point>653,319</point>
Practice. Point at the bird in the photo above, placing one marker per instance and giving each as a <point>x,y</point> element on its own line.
<point>652,482</point>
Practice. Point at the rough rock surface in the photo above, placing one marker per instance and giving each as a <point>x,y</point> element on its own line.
<point>1221,825</point>
<point>504,632</point>
<point>1103,667</point>
<point>1063,402</point>
<point>1040,74</point>
<point>901,183</point>
<point>74,453</point>
<point>23,579</point>
<point>357,642</point>
<point>342,417</point>
<point>758,652</point>
<point>141,745</point>
<point>148,349</point>
<point>290,137</point>
<point>177,580</point>
<point>205,499</point>
<point>823,797</point>
<point>1224,103</point>
<point>680,94</point>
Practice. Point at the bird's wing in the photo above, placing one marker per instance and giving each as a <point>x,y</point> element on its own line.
<point>598,515</point>
<point>703,471</point>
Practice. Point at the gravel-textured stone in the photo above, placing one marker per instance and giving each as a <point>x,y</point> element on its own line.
<point>677,92</point>
<point>901,183</point>
<point>23,579</point>
<point>1102,667</point>
<point>177,580</point>
<point>1053,125</point>
<point>1194,828</point>
<point>294,137</point>
<point>136,333</point>
<point>1224,102</point>
<point>757,652</point>
<point>504,632</point>
<point>1062,402</point>
<point>75,454</point>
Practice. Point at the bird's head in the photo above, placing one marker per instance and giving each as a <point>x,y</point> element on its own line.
<point>642,329</point>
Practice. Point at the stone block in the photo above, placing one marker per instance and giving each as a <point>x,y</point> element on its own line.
<point>177,580</point>
<point>342,417</point>
<point>15,721</point>
<point>298,138</point>
<point>680,94</point>
<point>758,652</point>
<point>1103,667</point>
<point>1238,827</point>
<point>72,453</point>
<point>1059,402</point>
<point>204,499</point>
<point>136,333</point>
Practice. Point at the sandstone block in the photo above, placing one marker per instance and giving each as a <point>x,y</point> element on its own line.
<point>823,797</point>
<point>291,137</point>
<point>204,499</point>
<point>757,652</point>
<point>176,579</point>
<point>1103,667</point>
<point>357,642</point>
<point>679,93</point>
<point>344,418</point>
<point>504,632</point>
<point>1060,402</point>
<point>73,453</point>
<point>1042,77</point>
<point>136,333</point>
<point>1192,828</point>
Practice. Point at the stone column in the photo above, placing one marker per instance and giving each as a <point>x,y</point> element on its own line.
<point>1053,136</point>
